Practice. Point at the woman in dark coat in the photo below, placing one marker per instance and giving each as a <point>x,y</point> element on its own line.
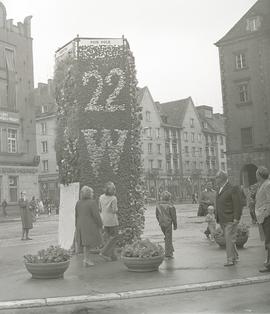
<point>26,216</point>
<point>88,224</point>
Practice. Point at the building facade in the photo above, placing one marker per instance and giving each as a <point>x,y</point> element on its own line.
<point>245,78</point>
<point>215,140</point>
<point>46,134</point>
<point>183,146</point>
<point>18,156</point>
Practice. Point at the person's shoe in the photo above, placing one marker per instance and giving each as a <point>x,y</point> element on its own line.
<point>23,239</point>
<point>105,257</point>
<point>28,238</point>
<point>264,270</point>
<point>229,264</point>
<point>169,257</point>
<point>237,260</point>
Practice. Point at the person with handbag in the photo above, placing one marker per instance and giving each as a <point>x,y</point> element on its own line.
<point>166,216</point>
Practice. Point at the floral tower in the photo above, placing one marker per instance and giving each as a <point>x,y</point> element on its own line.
<point>99,121</point>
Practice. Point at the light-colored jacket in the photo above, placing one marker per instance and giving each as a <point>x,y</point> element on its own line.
<point>262,205</point>
<point>108,208</point>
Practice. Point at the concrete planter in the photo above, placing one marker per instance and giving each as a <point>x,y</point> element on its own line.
<point>139,264</point>
<point>47,270</point>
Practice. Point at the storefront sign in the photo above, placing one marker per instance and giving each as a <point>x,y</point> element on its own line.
<point>101,42</point>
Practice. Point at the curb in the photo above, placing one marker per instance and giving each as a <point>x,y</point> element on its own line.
<point>56,301</point>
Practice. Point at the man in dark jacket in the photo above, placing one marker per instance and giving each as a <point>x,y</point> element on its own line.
<point>228,214</point>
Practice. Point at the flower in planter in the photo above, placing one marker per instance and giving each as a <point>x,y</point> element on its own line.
<point>143,248</point>
<point>53,254</point>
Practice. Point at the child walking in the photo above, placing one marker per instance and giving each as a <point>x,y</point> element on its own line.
<point>166,216</point>
<point>211,220</point>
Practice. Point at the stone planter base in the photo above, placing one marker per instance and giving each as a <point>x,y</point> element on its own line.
<point>138,264</point>
<point>47,270</point>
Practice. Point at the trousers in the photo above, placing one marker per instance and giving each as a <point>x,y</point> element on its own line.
<point>169,249</point>
<point>230,231</point>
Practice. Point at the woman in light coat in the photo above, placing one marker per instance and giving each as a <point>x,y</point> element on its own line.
<point>88,224</point>
<point>26,216</point>
<point>262,211</point>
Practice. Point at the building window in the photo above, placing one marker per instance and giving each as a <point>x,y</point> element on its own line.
<point>157,132</point>
<point>173,133</point>
<point>185,136</point>
<point>222,154</point>
<point>167,133</point>
<point>246,137</point>
<point>148,116</point>
<point>200,152</point>
<point>212,151</point>
<point>45,165</point>
<point>169,165</point>
<point>207,150</point>
<point>243,92</point>
<point>192,123</point>
<point>221,140</point>
<point>213,164</point>
<point>12,141</point>
<point>193,151</point>
<point>253,24</point>
<point>159,164</point>
<point>159,148</point>
<point>150,148</point>
<point>167,148</point>
<point>201,165</point>
<point>187,165</point>
<point>44,108</point>
<point>150,163</point>
<point>204,125</point>
<point>186,150</point>
<point>13,189</point>
<point>199,137</point>
<point>174,148</point>
<point>240,61</point>
<point>192,137</point>
<point>43,128</point>
<point>208,164</point>
<point>175,164</point>
<point>44,146</point>
<point>194,165</point>
<point>223,167</point>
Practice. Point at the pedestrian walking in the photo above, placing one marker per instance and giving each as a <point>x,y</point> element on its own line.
<point>26,216</point>
<point>211,222</point>
<point>228,214</point>
<point>88,224</point>
<point>32,207</point>
<point>4,206</point>
<point>262,210</point>
<point>109,209</point>
<point>166,216</point>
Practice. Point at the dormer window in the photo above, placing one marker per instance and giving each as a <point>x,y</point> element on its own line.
<point>253,23</point>
<point>44,108</point>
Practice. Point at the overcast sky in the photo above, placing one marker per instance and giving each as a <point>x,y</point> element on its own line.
<point>172,40</point>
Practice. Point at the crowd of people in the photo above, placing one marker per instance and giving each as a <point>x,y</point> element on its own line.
<point>97,222</point>
<point>225,206</point>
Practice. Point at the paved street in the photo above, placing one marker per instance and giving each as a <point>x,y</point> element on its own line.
<point>196,260</point>
<point>239,300</point>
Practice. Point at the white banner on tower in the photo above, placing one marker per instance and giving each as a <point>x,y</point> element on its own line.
<point>69,195</point>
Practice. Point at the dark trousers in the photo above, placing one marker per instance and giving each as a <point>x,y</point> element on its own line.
<point>167,231</point>
<point>110,238</point>
<point>230,231</point>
